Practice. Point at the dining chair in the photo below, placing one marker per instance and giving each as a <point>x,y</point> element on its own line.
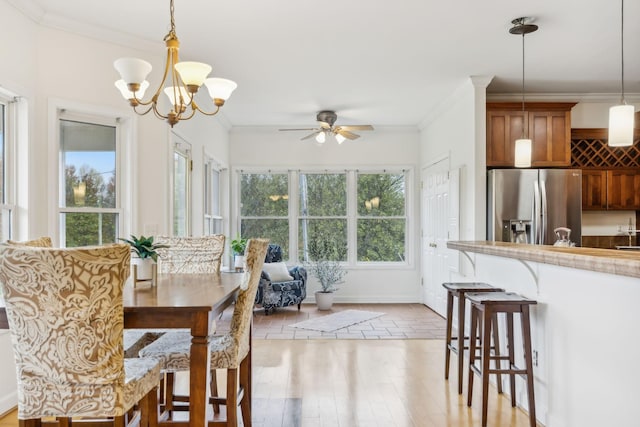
<point>65,313</point>
<point>41,242</point>
<point>229,352</point>
<point>190,255</point>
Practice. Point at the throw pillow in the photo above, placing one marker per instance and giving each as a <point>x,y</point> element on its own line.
<point>277,271</point>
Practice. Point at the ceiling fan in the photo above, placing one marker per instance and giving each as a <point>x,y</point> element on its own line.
<point>326,119</point>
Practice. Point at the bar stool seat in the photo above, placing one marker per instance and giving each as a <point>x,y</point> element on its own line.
<point>458,290</point>
<point>484,309</point>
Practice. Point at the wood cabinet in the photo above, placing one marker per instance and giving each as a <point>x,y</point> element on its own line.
<point>548,126</point>
<point>615,189</point>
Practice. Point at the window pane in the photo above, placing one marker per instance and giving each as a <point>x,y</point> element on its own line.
<point>264,195</point>
<point>276,230</point>
<point>82,229</point>
<point>180,194</point>
<point>381,194</point>
<point>89,157</point>
<point>215,192</point>
<point>332,230</point>
<point>381,240</point>
<point>323,194</point>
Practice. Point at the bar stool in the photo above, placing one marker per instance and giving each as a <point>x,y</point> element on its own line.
<point>484,308</point>
<point>458,290</point>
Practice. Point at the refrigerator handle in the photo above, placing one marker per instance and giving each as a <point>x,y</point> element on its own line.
<point>543,197</point>
<point>535,215</point>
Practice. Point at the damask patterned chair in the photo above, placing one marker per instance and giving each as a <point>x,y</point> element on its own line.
<point>66,319</point>
<point>230,351</point>
<point>190,254</point>
<point>279,285</point>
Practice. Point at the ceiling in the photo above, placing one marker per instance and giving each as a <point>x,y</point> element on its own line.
<point>382,63</point>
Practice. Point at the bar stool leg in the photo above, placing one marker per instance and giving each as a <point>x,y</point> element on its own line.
<point>472,351</point>
<point>486,357</point>
<point>512,358</point>
<point>461,314</point>
<point>447,353</point>
<point>526,333</point>
<point>496,351</point>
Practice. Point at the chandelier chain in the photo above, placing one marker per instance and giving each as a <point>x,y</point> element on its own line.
<point>622,101</point>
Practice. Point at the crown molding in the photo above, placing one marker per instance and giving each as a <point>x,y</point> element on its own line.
<point>613,98</point>
<point>38,15</point>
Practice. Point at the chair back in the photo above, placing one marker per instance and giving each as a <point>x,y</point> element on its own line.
<point>65,314</point>
<point>190,254</point>
<point>241,319</point>
<point>274,253</point>
<point>42,242</point>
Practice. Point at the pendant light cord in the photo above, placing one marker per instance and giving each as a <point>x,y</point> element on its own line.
<point>524,132</point>
<point>622,101</point>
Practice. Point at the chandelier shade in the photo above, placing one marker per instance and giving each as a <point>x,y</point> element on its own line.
<point>184,80</point>
<point>321,137</point>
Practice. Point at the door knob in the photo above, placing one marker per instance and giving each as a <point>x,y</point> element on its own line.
<point>433,245</point>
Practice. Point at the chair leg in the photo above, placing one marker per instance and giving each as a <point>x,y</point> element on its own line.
<point>119,421</point>
<point>299,304</point>
<point>143,406</point>
<point>528,354</point>
<point>447,343</point>
<point>214,391</point>
<point>472,352</point>
<point>168,392</point>
<point>461,313</point>
<point>496,351</point>
<point>486,356</point>
<point>64,421</point>
<point>232,396</point>
<point>512,358</point>
<point>245,385</point>
<point>152,406</point>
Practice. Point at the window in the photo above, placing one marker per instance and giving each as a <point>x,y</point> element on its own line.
<point>264,207</point>
<point>181,188</point>
<point>381,217</point>
<point>89,204</point>
<point>5,206</point>
<point>363,212</point>
<point>212,202</point>
<point>323,211</point>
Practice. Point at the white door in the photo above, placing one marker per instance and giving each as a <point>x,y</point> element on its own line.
<point>439,224</point>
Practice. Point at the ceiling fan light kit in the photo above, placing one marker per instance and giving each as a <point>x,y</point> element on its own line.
<point>327,119</point>
<point>185,78</point>
<point>621,117</point>
<point>523,146</point>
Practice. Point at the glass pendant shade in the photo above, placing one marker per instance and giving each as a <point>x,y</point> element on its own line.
<point>621,125</point>
<point>171,93</point>
<point>523,153</point>
<point>193,73</point>
<point>340,138</point>
<point>321,137</point>
<point>132,70</point>
<point>220,88</point>
<point>127,94</point>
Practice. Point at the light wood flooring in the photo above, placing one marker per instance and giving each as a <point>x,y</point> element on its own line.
<point>317,380</point>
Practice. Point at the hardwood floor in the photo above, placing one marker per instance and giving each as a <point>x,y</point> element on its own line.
<point>361,383</point>
<point>368,374</point>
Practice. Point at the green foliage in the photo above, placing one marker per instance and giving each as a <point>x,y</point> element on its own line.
<point>239,245</point>
<point>144,246</point>
<point>323,264</point>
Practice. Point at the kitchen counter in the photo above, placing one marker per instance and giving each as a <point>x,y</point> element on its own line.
<point>618,262</point>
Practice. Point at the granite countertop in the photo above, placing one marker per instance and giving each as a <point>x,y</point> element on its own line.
<point>623,263</point>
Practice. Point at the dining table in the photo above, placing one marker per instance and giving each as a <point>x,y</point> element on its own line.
<point>180,301</point>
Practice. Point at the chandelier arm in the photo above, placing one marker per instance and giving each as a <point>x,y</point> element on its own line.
<point>146,111</point>
<point>206,113</point>
<point>158,114</point>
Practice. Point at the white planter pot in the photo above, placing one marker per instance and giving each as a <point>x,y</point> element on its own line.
<point>324,300</point>
<point>144,267</point>
<point>238,262</point>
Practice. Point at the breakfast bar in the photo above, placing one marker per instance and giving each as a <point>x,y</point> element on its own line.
<point>583,328</point>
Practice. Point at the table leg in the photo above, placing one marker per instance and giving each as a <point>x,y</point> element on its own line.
<point>199,373</point>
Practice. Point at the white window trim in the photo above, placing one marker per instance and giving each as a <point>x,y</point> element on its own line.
<point>126,157</point>
<point>181,145</point>
<point>214,165</point>
<point>10,145</point>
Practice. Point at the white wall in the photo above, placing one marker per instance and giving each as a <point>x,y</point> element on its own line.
<point>591,114</point>
<point>384,147</point>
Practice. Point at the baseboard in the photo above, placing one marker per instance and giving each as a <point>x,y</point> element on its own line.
<point>368,300</point>
<point>8,403</point>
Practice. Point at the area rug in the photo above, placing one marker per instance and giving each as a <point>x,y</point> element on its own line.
<point>339,320</point>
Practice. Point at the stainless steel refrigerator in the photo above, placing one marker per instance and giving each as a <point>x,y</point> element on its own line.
<point>526,205</point>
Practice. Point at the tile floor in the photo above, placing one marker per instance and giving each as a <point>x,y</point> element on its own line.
<point>400,321</point>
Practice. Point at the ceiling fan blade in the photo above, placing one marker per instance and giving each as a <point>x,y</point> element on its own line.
<point>347,134</point>
<point>299,129</point>
<point>356,127</point>
<point>311,135</point>
<point>324,125</point>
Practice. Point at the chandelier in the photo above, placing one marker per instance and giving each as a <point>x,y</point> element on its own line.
<point>184,79</point>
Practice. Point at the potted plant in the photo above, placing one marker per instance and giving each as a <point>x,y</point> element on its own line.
<point>238,246</point>
<point>323,263</point>
<point>145,255</point>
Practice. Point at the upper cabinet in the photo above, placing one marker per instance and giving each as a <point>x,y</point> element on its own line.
<point>614,189</point>
<point>548,125</point>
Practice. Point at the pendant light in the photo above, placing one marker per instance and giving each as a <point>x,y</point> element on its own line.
<point>621,116</point>
<point>523,145</point>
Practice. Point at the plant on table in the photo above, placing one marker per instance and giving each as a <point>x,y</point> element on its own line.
<point>144,246</point>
